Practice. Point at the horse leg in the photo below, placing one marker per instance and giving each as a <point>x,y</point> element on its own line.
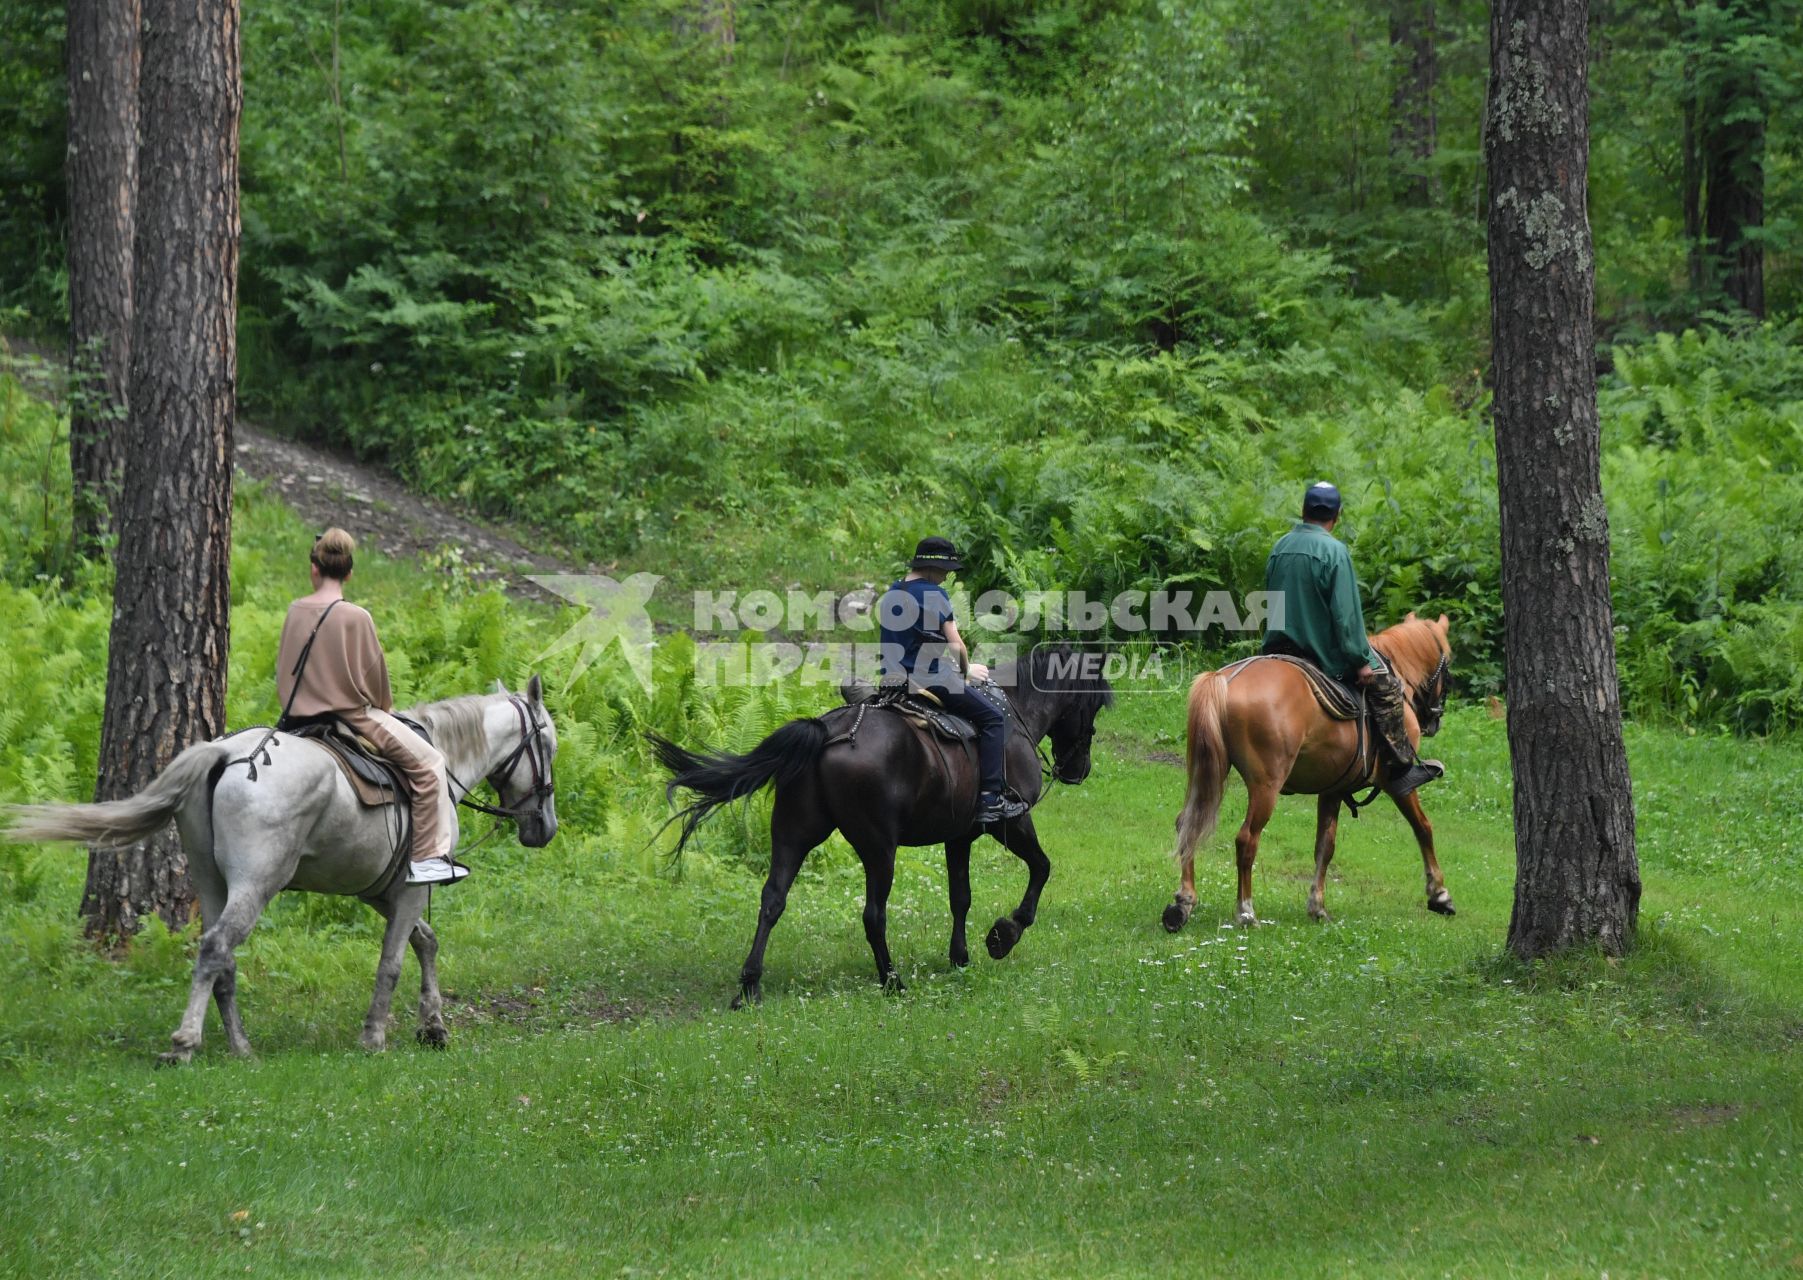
<point>796,826</point>
<point>210,889</point>
<point>1437,898</point>
<point>216,961</point>
<point>431,1005</point>
<point>957,874</point>
<point>1261,802</point>
<point>878,858</point>
<point>1023,842</point>
<point>402,912</point>
<point>1327,826</point>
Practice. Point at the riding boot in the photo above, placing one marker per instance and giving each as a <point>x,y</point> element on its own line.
<point>1407,771</point>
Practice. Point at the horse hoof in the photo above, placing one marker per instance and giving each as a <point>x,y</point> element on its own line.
<point>1442,904</point>
<point>375,1044</point>
<point>175,1058</point>
<point>893,985</point>
<point>1319,915</point>
<point>749,993</point>
<point>1003,934</point>
<point>433,1037</point>
<point>960,958</point>
<point>1175,917</point>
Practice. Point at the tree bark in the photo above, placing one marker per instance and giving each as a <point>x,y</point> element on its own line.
<point>167,662</point>
<point>1577,876</point>
<point>1413,123</point>
<point>102,168</point>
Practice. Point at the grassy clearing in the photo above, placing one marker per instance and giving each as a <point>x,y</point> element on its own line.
<point>1378,1095</point>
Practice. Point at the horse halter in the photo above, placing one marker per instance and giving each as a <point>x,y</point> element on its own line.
<point>531,728</point>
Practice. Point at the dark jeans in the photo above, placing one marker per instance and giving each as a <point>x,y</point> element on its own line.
<point>992,730</point>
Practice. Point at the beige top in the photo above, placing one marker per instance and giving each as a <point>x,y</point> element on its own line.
<point>345,671</point>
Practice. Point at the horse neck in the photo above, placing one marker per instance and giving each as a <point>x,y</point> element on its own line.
<point>1404,661</point>
<point>1036,710</point>
<point>472,761</point>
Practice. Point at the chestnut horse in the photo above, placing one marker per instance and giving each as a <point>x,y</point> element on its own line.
<point>1260,717</point>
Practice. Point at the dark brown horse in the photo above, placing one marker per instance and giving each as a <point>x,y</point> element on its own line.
<point>1261,718</point>
<point>890,784</point>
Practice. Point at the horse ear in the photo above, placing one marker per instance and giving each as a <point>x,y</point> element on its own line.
<point>500,685</point>
<point>1410,616</point>
<point>535,690</point>
<point>1443,624</point>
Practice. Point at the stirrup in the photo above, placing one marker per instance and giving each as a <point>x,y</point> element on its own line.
<point>436,871</point>
<point>1414,777</point>
<point>1004,808</point>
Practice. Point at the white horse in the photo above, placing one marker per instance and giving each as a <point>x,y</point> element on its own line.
<point>290,820</point>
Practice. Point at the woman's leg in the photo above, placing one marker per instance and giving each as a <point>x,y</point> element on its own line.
<point>434,824</point>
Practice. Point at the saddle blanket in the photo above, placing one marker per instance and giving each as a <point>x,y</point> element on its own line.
<point>375,781</point>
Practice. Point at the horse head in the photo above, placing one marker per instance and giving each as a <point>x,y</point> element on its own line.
<point>523,780</point>
<point>1423,661</point>
<point>1074,691</point>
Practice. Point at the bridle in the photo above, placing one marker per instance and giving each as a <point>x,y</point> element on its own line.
<point>531,729</point>
<point>1435,687</point>
<point>1048,763</point>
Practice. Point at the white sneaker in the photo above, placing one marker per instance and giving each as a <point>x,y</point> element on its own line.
<point>435,871</point>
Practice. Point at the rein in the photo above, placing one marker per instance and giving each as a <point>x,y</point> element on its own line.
<point>542,786</point>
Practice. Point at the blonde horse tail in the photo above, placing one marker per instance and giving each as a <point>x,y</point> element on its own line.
<point>117,822</point>
<point>1207,765</point>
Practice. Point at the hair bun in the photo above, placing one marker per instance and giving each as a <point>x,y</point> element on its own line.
<point>332,552</point>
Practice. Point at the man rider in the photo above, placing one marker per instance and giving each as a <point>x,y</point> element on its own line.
<point>1323,622</point>
<point>920,642</point>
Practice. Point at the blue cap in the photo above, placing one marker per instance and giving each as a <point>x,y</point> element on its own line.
<point>1321,498</point>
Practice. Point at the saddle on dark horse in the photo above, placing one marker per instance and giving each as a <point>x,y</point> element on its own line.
<point>917,706</point>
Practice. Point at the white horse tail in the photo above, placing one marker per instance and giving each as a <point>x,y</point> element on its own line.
<point>1206,764</point>
<point>118,822</point>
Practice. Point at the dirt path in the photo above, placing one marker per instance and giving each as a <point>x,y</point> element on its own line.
<point>328,486</point>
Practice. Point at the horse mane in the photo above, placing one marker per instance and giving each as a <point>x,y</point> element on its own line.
<point>1412,647</point>
<point>1054,668</point>
<point>457,725</point>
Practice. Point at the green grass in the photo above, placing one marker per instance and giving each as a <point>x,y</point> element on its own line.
<point>1380,1095</point>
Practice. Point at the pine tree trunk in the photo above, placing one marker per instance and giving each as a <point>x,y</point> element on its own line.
<point>167,663</point>
<point>102,178</point>
<point>1577,877</point>
<point>1413,124</point>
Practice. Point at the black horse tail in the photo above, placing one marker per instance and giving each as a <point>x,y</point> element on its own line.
<point>720,777</point>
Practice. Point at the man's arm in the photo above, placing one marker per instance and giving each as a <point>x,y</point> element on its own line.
<point>1349,619</point>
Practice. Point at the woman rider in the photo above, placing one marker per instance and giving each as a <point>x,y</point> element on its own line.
<point>331,663</point>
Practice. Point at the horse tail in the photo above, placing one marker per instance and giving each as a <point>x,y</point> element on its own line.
<point>719,778</point>
<point>1206,765</point>
<point>118,822</point>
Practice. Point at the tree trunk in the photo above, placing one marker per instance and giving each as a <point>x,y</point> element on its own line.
<point>167,663</point>
<point>1577,877</point>
<point>1692,192</point>
<point>1413,124</point>
<point>102,170</point>
<point>1730,135</point>
<point>1734,178</point>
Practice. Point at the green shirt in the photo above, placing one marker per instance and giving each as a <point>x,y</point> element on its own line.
<point>1321,614</point>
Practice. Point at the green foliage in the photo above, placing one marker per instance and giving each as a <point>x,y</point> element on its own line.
<point>1096,285</point>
